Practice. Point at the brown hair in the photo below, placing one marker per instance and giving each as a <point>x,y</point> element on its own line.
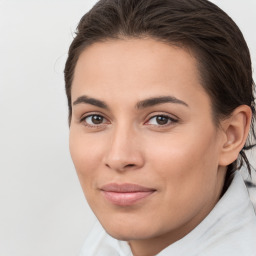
<point>215,40</point>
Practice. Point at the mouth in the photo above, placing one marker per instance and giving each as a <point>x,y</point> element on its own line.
<point>125,194</point>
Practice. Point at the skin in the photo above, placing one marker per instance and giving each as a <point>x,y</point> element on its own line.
<point>183,160</point>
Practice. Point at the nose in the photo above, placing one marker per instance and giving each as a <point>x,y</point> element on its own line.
<point>124,151</point>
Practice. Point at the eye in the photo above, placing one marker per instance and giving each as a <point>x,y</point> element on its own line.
<point>94,120</point>
<point>161,120</point>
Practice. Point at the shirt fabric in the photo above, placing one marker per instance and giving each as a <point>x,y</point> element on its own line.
<point>229,229</point>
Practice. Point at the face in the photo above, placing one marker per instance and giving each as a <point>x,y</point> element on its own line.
<point>142,139</point>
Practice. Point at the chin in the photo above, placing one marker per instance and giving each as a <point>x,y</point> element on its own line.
<point>128,235</point>
<point>130,231</point>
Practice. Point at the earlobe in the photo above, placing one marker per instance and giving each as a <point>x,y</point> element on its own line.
<point>236,129</point>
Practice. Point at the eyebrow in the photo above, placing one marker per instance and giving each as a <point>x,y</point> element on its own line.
<point>140,105</point>
<point>159,100</point>
<point>91,101</point>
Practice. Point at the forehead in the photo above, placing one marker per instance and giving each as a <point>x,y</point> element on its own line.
<point>136,67</point>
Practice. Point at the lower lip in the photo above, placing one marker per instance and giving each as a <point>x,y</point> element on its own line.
<point>127,198</point>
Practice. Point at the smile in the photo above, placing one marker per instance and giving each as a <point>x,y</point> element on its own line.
<point>125,194</point>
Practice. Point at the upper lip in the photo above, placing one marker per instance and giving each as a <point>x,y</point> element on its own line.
<point>125,188</point>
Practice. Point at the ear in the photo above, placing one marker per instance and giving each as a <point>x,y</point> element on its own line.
<point>236,129</point>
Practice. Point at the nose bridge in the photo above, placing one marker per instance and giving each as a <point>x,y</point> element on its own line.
<point>124,149</point>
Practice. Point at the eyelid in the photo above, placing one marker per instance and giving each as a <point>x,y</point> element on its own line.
<point>92,113</point>
<point>173,119</point>
<point>89,114</point>
<point>162,113</point>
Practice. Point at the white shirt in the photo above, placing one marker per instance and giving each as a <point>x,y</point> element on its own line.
<point>229,229</point>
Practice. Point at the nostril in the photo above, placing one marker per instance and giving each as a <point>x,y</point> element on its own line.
<point>121,167</point>
<point>130,165</point>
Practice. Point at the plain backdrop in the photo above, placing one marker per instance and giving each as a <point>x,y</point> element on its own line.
<point>42,208</point>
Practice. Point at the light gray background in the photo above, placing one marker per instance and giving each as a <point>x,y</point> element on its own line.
<point>42,208</point>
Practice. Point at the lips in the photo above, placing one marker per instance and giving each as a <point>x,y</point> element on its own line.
<point>125,194</point>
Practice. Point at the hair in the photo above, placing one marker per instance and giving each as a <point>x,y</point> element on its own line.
<point>214,39</point>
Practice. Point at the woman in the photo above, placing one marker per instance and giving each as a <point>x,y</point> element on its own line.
<point>161,103</point>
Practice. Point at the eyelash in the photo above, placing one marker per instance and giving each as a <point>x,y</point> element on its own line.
<point>83,120</point>
<point>170,121</point>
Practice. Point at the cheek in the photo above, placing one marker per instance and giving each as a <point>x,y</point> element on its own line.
<point>86,154</point>
<point>187,171</point>
<point>187,159</point>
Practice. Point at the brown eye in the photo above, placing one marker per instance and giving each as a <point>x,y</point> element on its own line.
<point>161,120</point>
<point>94,120</point>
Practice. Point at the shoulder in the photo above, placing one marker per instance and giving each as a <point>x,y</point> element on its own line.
<point>240,242</point>
<point>234,229</point>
